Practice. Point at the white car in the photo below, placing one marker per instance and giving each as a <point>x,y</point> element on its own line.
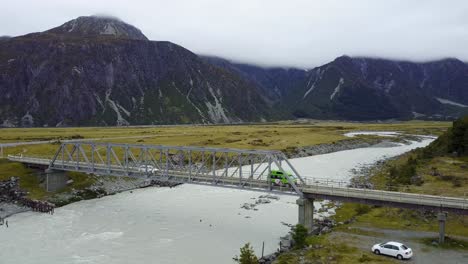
<point>394,249</point>
<point>149,168</point>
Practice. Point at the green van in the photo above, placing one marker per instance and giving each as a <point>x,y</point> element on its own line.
<point>278,177</point>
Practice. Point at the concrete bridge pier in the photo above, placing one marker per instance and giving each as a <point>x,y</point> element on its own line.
<point>55,180</point>
<point>442,218</point>
<point>306,212</point>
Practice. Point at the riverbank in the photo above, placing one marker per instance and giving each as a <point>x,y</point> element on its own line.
<point>358,227</point>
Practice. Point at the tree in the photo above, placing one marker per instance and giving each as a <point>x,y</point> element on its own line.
<point>247,255</point>
<point>459,144</point>
<point>299,235</point>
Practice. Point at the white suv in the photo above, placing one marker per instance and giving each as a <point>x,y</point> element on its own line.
<point>394,249</point>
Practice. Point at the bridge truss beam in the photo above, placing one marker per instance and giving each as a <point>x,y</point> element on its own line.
<point>247,169</point>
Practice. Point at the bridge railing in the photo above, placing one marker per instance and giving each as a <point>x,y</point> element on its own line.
<point>246,176</point>
<point>392,196</point>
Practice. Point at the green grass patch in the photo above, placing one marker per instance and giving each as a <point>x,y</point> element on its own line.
<point>27,180</point>
<point>358,231</point>
<point>329,249</point>
<point>80,181</point>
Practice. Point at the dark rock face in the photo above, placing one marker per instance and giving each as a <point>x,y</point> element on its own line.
<point>274,83</point>
<point>48,79</point>
<point>364,88</point>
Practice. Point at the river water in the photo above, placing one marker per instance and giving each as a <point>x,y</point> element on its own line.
<point>185,224</point>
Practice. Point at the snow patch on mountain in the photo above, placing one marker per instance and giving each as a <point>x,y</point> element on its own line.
<point>424,80</point>
<point>337,89</point>
<point>446,101</point>
<point>123,110</point>
<point>99,101</point>
<point>389,85</point>
<point>417,115</point>
<point>216,110</point>
<point>8,123</point>
<point>72,26</point>
<point>76,70</point>
<point>318,76</point>
<point>109,30</point>
<point>27,120</point>
<point>120,120</point>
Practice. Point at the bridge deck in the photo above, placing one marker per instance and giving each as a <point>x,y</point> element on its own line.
<point>314,190</point>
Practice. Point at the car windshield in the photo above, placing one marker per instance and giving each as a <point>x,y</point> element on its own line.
<point>404,247</point>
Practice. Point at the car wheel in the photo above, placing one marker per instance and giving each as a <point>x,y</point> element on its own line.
<point>400,257</point>
<point>377,252</point>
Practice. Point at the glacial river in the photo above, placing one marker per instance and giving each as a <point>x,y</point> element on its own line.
<point>185,224</point>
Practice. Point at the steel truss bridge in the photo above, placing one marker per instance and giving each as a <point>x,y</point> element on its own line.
<point>223,167</point>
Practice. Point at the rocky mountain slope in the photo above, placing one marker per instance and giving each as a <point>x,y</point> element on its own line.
<point>274,83</point>
<point>97,26</point>
<point>79,75</point>
<point>364,88</point>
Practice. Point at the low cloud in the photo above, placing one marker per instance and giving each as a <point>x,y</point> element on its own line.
<point>301,33</point>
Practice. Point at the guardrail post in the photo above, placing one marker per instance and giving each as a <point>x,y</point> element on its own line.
<point>240,169</point>
<point>167,162</point>
<point>108,158</point>
<point>92,157</point>
<point>77,156</point>
<point>63,155</point>
<point>214,167</point>
<point>190,165</point>
<point>442,218</point>
<point>269,173</point>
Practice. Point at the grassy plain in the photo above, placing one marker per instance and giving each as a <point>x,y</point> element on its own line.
<point>278,136</point>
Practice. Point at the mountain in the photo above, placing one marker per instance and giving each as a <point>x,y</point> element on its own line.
<point>275,83</point>
<point>364,88</point>
<point>98,26</point>
<point>101,71</point>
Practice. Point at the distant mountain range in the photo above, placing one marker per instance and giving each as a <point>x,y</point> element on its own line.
<point>364,88</point>
<point>102,71</point>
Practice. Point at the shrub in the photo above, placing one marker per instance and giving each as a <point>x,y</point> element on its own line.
<point>456,182</point>
<point>299,235</point>
<point>364,258</point>
<point>362,209</point>
<point>247,255</point>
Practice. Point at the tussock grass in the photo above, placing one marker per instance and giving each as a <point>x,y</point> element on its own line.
<point>273,136</point>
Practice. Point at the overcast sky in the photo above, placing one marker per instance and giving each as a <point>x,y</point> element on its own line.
<point>301,33</point>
